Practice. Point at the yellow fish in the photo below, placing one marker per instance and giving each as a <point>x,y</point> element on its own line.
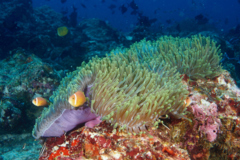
<point>62,31</point>
<point>77,99</point>
<point>39,101</point>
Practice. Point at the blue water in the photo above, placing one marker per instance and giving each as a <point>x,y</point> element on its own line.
<point>224,14</point>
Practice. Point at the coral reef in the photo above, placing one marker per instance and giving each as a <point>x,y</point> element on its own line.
<point>234,40</point>
<point>18,146</point>
<point>188,27</point>
<point>30,29</point>
<point>213,133</point>
<point>95,37</point>
<point>35,30</point>
<point>213,104</point>
<point>210,124</point>
<point>22,77</point>
<point>231,48</point>
<point>103,142</point>
<point>9,115</point>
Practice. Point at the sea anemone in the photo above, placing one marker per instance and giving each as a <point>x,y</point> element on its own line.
<point>129,95</point>
<point>126,94</point>
<point>131,88</point>
<point>198,57</point>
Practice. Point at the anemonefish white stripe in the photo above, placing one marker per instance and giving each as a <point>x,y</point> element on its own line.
<point>36,101</point>
<point>75,98</point>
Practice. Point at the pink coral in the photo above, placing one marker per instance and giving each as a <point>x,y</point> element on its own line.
<point>211,131</point>
<point>207,116</point>
<point>198,112</point>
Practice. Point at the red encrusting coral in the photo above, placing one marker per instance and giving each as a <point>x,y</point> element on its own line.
<point>104,142</point>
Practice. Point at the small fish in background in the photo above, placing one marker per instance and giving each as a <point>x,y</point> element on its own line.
<point>112,7</point>
<point>83,5</point>
<point>40,102</point>
<point>145,21</point>
<point>133,5</point>
<point>63,1</point>
<point>123,9</point>
<point>73,17</point>
<point>62,31</point>
<point>24,146</point>
<point>77,99</point>
<point>201,19</point>
<point>178,28</point>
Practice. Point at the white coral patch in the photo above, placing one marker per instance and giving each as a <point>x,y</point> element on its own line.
<point>221,80</point>
<point>205,103</point>
<point>55,148</point>
<point>115,154</point>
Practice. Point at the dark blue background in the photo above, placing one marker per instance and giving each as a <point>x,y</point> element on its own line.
<point>217,11</point>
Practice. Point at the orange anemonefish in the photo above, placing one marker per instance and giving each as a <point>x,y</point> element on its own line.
<point>77,99</point>
<point>188,101</point>
<point>39,101</point>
